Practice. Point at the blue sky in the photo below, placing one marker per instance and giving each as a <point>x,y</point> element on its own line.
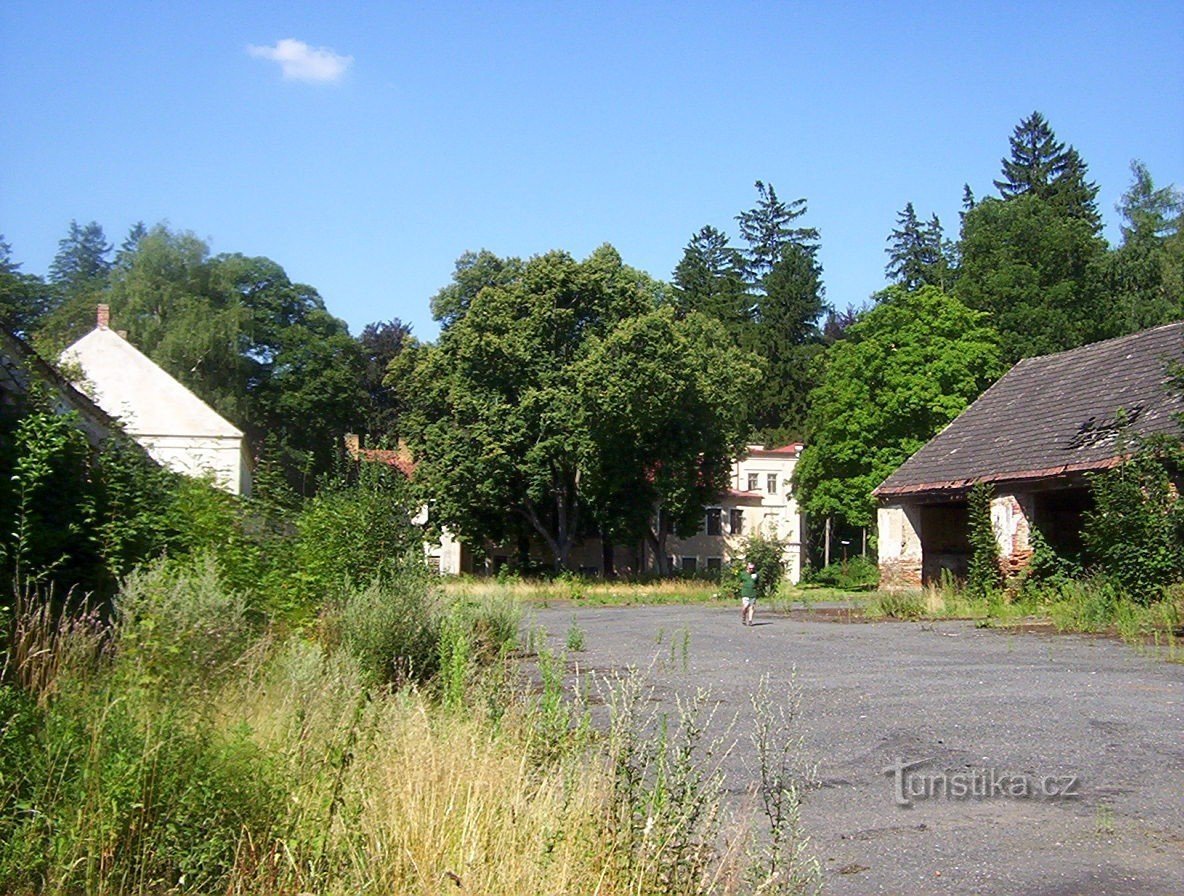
<point>414,132</point>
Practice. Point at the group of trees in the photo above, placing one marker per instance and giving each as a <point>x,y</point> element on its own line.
<point>770,297</point>
<point>262,350</point>
<point>1030,274</point>
<point>565,398</point>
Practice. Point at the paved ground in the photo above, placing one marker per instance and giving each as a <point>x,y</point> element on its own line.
<point>968,700</point>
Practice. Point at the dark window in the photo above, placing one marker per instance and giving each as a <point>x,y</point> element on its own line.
<point>736,520</point>
<point>772,483</point>
<point>689,564</point>
<point>714,564</point>
<point>714,524</point>
<point>753,480</point>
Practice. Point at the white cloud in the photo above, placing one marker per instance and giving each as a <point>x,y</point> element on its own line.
<point>300,62</point>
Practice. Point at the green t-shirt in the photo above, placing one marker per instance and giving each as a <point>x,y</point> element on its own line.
<point>748,585</point>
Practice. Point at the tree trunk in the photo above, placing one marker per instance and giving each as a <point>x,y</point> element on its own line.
<point>826,542</point>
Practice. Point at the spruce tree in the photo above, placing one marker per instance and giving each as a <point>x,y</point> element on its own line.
<point>767,228</point>
<point>1042,166</point>
<point>1037,159</point>
<point>82,260</point>
<point>918,254</point>
<point>710,279</point>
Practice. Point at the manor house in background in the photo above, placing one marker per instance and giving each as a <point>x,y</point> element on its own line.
<point>759,500</point>
<point>178,429</point>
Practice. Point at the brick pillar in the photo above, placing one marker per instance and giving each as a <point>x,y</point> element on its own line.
<point>898,528</point>
<point>1011,517</point>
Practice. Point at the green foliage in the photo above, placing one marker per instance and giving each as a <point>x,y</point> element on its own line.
<point>354,529</point>
<point>24,298</point>
<point>390,627</point>
<point>984,576</point>
<point>710,280</point>
<point>559,389</point>
<point>767,554</point>
<point>903,371</point>
<point>1135,532</point>
<point>179,623</point>
<point>918,254</point>
<point>1037,272</point>
<point>769,297</point>
<point>1042,166</point>
<point>48,504</point>
<point>664,400</point>
<point>858,573</point>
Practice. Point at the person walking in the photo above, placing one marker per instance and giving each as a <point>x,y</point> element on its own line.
<point>748,593</point>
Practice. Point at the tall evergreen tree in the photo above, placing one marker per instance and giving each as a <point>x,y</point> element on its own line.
<point>1145,275</point>
<point>785,281</point>
<point>83,258</point>
<point>1149,213</point>
<point>1042,166</point>
<point>130,243</point>
<point>767,228</point>
<point>710,279</point>
<point>24,298</point>
<point>918,253</point>
<point>1036,160</point>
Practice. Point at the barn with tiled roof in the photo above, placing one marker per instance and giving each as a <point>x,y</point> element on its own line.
<point>1034,436</point>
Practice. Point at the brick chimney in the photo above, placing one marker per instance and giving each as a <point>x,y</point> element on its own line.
<point>103,318</point>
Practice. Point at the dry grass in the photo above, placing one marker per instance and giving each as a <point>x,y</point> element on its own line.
<point>587,591</point>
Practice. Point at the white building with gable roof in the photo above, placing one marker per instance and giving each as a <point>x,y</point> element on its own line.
<point>173,425</point>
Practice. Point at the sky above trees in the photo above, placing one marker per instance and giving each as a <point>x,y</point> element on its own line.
<point>365,149</point>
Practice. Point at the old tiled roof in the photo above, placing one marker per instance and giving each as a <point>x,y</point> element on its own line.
<point>1054,415</point>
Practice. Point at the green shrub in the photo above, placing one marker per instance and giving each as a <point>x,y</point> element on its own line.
<point>1135,533</point>
<point>178,622</point>
<point>850,575</point>
<point>353,529</point>
<point>392,626</point>
<point>767,554</point>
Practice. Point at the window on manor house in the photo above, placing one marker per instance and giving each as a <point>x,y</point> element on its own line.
<point>772,483</point>
<point>715,564</point>
<point>690,564</point>
<point>714,523</point>
<point>753,481</point>
<point>736,521</point>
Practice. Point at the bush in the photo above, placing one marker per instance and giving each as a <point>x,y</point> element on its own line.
<point>178,622</point>
<point>391,627</point>
<point>350,532</point>
<point>767,554</point>
<point>855,574</point>
<point>1135,533</point>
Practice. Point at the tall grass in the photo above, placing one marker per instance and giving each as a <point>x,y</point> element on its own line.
<point>181,747</point>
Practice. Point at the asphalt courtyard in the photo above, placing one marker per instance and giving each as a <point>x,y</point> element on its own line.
<point>1002,725</point>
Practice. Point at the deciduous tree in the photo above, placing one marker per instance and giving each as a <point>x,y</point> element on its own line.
<point>903,371</point>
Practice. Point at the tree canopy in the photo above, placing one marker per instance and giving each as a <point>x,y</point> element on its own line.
<point>902,372</point>
<point>551,383</point>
